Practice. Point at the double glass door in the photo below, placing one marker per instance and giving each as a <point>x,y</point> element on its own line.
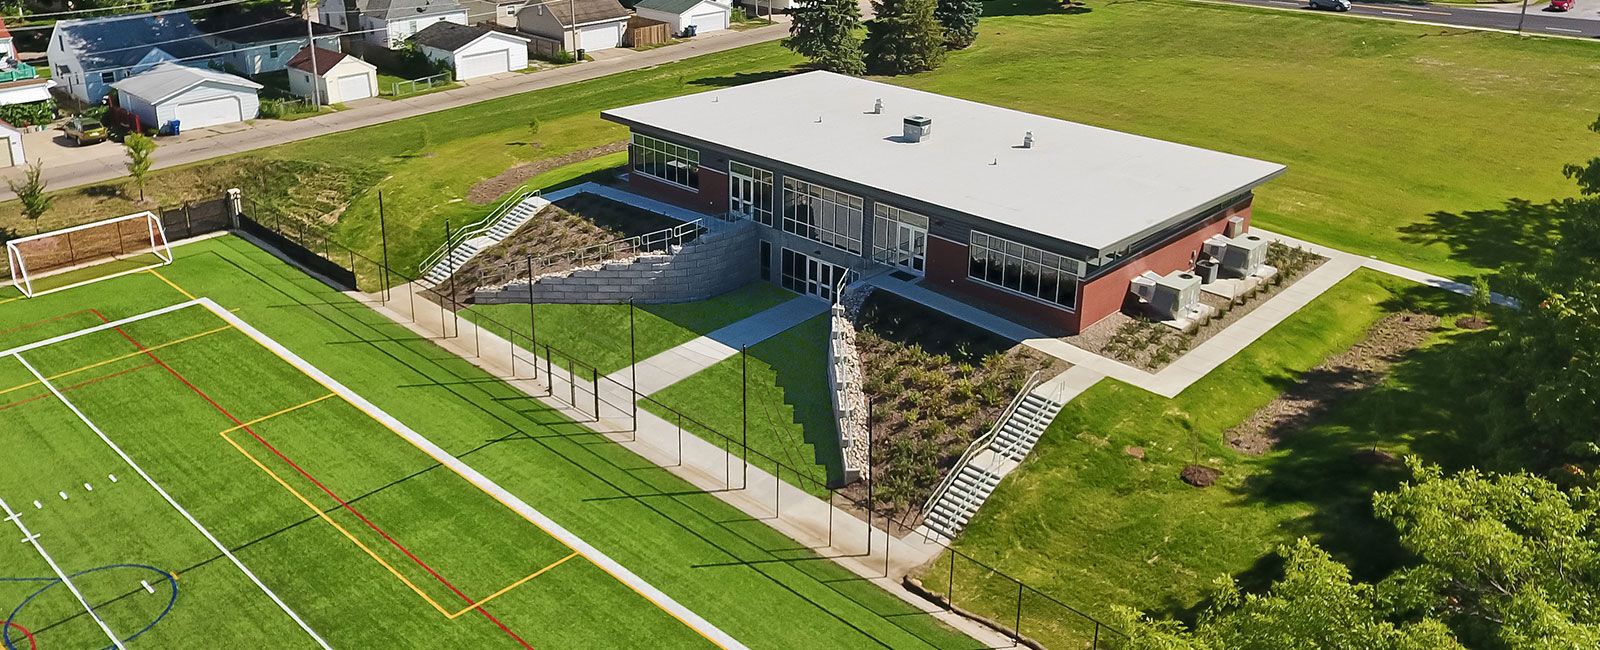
<point>811,276</point>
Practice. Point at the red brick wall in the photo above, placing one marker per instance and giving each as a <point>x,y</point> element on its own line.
<point>711,199</point>
<point>1106,294</point>
<point>1098,298</point>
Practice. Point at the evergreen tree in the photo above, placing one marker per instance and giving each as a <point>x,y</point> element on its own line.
<point>960,21</point>
<point>905,37</point>
<point>826,31</point>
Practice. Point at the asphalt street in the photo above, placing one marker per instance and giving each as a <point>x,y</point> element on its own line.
<point>1583,21</point>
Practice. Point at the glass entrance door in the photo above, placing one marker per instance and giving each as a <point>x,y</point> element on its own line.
<point>749,193</point>
<point>811,276</point>
<point>911,247</point>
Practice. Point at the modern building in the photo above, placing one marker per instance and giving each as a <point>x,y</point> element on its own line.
<point>472,52</point>
<point>87,55</point>
<point>331,77</point>
<point>193,97</point>
<point>1044,219</point>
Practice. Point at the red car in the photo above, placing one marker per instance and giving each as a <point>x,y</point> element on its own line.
<point>1561,5</point>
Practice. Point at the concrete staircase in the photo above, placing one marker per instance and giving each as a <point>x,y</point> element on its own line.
<point>509,223</point>
<point>977,478</point>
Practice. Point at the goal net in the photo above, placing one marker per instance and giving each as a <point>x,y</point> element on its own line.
<point>71,257</point>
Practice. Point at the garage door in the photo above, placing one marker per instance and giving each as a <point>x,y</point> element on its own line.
<point>5,152</point>
<point>604,37</point>
<point>483,64</point>
<point>209,112</point>
<point>709,22</point>
<point>353,87</point>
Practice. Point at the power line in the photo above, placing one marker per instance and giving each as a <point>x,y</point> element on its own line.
<point>221,3</point>
<point>85,11</point>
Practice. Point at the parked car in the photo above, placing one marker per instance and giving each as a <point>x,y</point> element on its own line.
<point>1332,5</point>
<point>1560,5</point>
<point>86,130</point>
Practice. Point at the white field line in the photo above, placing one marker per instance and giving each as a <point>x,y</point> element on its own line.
<point>589,552</point>
<point>30,538</point>
<point>13,352</point>
<point>170,501</point>
<point>102,278</point>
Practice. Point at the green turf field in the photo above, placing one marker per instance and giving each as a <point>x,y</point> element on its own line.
<point>337,525</point>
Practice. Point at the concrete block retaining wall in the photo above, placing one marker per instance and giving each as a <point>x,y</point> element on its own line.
<point>845,378</point>
<point>715,263</point>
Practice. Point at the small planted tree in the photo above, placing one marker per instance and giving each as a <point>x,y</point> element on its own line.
<point>31,192</point>
<point>533,132</point>
<point>828,33</point>
<point>141,150</point>
<point>904,37</point>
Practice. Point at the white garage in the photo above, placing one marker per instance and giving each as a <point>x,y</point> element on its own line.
<point>10,145</point>
<point>170,93</point>
<point>472,52</point>
<point>600,36</point>
<point>331,77</point>
<point>681,15</point>
<point>572,25</point>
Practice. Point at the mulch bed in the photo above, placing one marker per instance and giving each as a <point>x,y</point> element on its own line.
<point>488,190</point>
<point>1358,368</point>
<point>1199,475</point>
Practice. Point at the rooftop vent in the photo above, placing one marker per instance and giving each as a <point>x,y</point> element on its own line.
<point>877,107</point>
<point>918,128</point>
<point>1027,140</point>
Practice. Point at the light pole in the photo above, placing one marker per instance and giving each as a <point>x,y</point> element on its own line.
<point>1523,17</point>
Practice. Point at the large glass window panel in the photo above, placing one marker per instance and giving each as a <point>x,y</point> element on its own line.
<point>1021,268</point>
<point>664,160</point>
<point>824,215</point>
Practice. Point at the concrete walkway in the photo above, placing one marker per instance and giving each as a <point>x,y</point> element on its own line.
<point>636,200</point>
<point>674,365</point>
<point>69,167</point>
<point>867,551</point>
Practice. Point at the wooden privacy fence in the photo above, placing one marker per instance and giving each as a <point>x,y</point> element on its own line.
<point>644,31</point>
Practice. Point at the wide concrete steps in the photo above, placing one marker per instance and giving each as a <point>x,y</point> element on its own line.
<point>977,479</point>
<point>507,225</point>
<point>1021,432</point>
<point>972,487</point>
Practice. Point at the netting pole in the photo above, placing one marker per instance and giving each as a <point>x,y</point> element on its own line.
<point>122,246</point>
<point>594,379</point>
<point>549,377</point>
<point>777,491</point>
<point>633,367</point>
<point>188,222</point>
<point>1017,627</point>
<point>831,495</point>
<point>383,238</point>
<point>871,440</point>
<point>680,438</point>
<point>744,415</point>
<point>533,321</point>
<point>72,255</point>
<point>950,587</point>
<point>572,383</point>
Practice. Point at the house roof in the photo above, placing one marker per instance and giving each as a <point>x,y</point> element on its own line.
<point>1080,184</point>
<point>585,11</point>
<point>326,59</point>
<point>678,7</point>
<point>118,41</point>
<point>167,79</point>
<point>448,36</point>
<point>402,9</point>
<point>5,32</point>
<point>258,26</point>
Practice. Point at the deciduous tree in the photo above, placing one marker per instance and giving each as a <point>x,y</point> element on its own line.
<point>31,192</point>
<point>140,149</point>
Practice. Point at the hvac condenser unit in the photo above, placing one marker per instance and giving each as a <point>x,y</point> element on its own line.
<point>1170,296</point>
<point>1244,255</point>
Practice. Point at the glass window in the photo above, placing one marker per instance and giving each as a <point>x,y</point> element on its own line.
<point>822,214</point>
<point>750,192</point>
<point>664,160</point>
<point>1022,269</point>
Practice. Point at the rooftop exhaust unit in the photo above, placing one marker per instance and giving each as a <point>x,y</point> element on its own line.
<point>1027,140</point>
<point>1173,295</point>
<point>877,107</point>
<point>1239,256</point>
<point>918,128</point>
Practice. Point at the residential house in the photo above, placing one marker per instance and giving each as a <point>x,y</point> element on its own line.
<point>388,23</point>
<point>1056,222</point>
<point>332,77</point>
<point>256,42</point>
<point>472,52</point>
<point>19,82</point>
<point>195,97</point>
<point>87,55</point>
<point>588,25</point>
<point>499,12</point>
<point>684,16</point>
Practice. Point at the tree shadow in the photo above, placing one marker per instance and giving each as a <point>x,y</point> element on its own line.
<point>1519,231</point>
<point>908,323</point>
<point>1034,7</point>
<point>742,78</point>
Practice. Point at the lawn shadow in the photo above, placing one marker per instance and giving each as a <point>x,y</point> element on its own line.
<point>800,364</point>
<point>1034,7</point>
<point>1516,232</point>
<point>742,78</point>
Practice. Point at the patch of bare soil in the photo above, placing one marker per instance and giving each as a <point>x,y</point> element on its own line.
<point>937,383</point>
<point>1472,322</point>
<point>1199,475</point>
<point>1361,366</point>
<point>490,189</point>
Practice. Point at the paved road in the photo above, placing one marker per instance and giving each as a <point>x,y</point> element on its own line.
<point>70,166</point>
<point>1582,22</point>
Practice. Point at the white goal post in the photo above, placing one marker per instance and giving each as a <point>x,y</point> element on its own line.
<point>120,238</point>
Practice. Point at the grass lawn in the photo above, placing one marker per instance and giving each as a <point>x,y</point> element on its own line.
<point>597,335</point>
<point>386,86</point>
<point>729,568</point>
<point>1092,525</point>
<point>1385,127</point>
<point>790,414</point>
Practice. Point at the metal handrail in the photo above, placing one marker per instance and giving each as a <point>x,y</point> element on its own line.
<point>979,443</point>
<point>1055,397</point>
<point>474,229</point>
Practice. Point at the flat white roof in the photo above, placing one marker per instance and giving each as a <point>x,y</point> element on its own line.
<point>1077,183</point>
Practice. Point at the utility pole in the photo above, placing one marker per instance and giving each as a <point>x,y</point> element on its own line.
<point>316,75</point>
<point>1522,18</point>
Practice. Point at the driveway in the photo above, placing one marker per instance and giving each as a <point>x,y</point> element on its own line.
<point>72,166</point>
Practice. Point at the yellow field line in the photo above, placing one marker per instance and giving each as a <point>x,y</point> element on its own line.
<point>12,299</point>
<point>324,516</point>
<point>172,284</point>
<point>502,502</point>
<point>286,411</point>
<point>514,585</point>
<point>115,359</point>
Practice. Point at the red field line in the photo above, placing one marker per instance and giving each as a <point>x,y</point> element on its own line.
<point>237,422</point>
<point>33,644</point>
<point>47,321</point>
<point>87,382</point>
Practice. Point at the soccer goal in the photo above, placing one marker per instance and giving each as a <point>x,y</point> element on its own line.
<point>72,257</point>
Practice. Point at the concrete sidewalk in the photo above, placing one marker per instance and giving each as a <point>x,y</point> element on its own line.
<point>106,162</point>
<point>867,551</point>
<point>674,365</point>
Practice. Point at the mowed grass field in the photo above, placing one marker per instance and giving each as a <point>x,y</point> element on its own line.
<point>369,539</point>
